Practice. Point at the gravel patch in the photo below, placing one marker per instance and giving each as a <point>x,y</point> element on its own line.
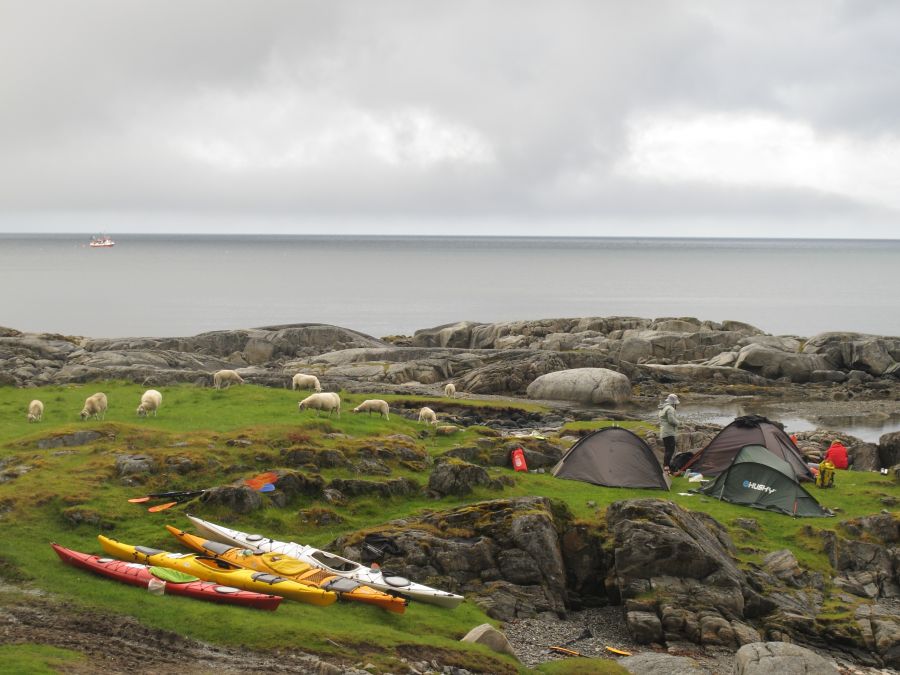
<point>589,632</point>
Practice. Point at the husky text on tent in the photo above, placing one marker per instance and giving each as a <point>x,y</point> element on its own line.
<point>758,486</point>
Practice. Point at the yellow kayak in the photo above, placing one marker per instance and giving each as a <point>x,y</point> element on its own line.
<point>296,570</point>
<point>220,571</point>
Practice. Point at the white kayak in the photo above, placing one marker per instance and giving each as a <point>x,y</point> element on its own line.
<point>330,562</point>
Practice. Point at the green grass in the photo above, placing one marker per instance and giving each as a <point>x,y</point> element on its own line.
<point>404,399</point>
<point>583,427</point>
<point>35,659</point>
<point>248,409</point>
<point>184,408</point>
<point>56,487</point>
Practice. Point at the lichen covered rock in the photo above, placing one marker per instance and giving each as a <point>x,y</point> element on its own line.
<point>586,385</point>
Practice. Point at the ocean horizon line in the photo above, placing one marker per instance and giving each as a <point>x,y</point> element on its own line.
<point>435,237</point>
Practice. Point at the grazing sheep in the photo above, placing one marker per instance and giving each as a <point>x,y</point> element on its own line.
<point>373,405</point>
<point>35,411</point>
<point>301,381</point>
<point>427,415</point>
<point>94,406</point>
<point>449,390</point>
<point>226,378</point>
<point>327,401</point>
<point>150,402</point>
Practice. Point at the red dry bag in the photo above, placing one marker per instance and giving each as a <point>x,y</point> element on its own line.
<point>518,460</point>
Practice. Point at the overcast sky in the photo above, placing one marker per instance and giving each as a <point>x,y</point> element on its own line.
<point>612,118</point>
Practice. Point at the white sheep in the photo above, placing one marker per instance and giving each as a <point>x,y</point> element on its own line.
<point>35,411</point>
<point>301,381</point>
<point>327,401</point>
<point>226,378</point>
<point>427,415</point>
<point>150,402</point>
<point>449,390</point>
<point>94,406</point>
<point>373,405</point>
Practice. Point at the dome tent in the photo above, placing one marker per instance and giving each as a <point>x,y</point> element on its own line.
<point>759,479</point>
<point>748,430</point>
<point>612,457</point>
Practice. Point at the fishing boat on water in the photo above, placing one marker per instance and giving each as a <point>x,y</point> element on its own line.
<point>101,241</point>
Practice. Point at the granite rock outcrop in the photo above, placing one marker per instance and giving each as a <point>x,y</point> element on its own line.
<point>483,358</point>
<point>674,573</point>
<point>586,385</point>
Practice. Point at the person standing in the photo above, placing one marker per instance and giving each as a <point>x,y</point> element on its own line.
<point>668,427</point>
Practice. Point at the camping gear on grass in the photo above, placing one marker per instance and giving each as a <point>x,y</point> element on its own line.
<point>376,578</point>
<point>759,479</point>
<point>517,457</point>
<point>748,430</point>
<point>679,461</point>
<point>375,546</point>
<point>219,571</point>
<point>293,569</point>
<point>613,457</point>
<point>154,578</point>
<point>825,475</point>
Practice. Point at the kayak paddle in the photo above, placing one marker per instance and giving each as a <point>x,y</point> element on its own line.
<point>268,487</point>
<point>256,482</point>
<point>161,507</point>
<point>165,495</point>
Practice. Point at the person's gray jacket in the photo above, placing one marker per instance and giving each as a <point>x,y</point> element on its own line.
<point>668,420</point>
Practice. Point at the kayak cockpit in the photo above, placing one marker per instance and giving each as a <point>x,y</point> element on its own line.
<point>334,562</point>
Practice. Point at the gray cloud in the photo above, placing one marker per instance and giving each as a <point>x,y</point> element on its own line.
<point>287,114</point>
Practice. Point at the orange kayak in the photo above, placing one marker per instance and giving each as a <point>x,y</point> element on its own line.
<point>293,569</point>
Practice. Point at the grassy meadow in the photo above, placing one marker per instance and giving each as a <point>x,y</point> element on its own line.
<point>71,494</point>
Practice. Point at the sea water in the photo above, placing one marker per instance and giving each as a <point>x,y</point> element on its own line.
<point>151,285</point>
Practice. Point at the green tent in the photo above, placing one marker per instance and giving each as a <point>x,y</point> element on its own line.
<point>759,479</point>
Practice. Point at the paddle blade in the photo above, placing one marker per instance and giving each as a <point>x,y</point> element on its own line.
<point>259,480</point>
<point>161,507</point>
<point>139,500</point>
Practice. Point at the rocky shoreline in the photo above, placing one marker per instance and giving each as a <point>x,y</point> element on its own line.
<point>502,358</point>
<point>617,367</point>
<point>538,573</point>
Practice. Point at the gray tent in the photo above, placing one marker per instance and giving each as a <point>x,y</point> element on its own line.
<point>612,457</point>
<point>758,478</point>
